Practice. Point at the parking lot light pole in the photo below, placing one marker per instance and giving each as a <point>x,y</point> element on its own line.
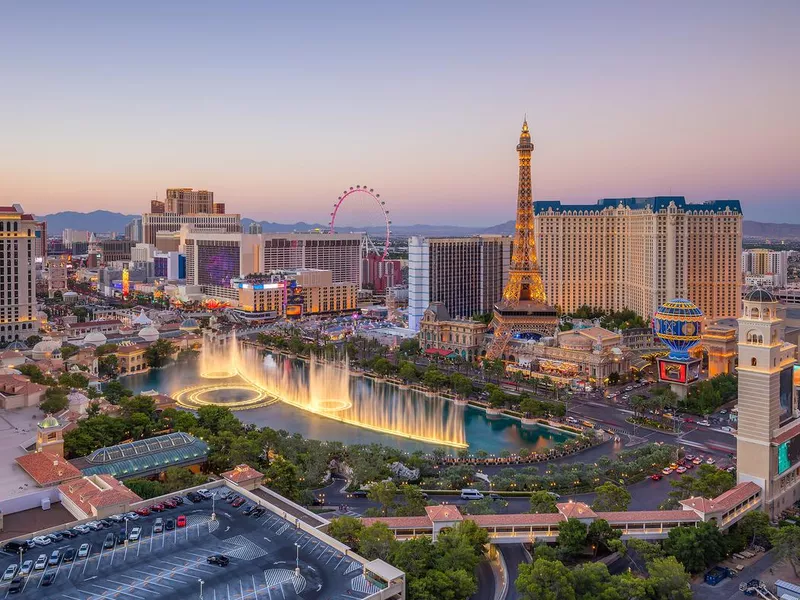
<point>213,510</point>
<point>20,556</point>
<point>297,560</point>
<point>201,588</point>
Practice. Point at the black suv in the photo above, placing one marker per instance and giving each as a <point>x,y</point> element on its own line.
<point>218,559</point>
<point>13,547</point>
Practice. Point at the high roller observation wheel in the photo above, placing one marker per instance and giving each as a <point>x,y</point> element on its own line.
<point>363,189</point>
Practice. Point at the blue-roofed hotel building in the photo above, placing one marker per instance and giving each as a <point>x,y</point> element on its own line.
<point>637,253</point>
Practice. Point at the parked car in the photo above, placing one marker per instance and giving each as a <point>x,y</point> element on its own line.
<point>204,493</point>
<point>55,557</point>
<point>68,533</point>
<point>16,585</point>
<point>14,546</point>
<point>194,497</point>
<point>697,461</point>
<point>681,470</point>
<point>248,509</point>
<point>359,494</point>
<point>157,507</point>
<point>9,573</point>
<point>656,476</point>
<point>69,555</point>
<point>666,470</point>
<point>180,521</point>
<point>26,567</point>
<point>110,541</point>
<point>121,537</point>
<point>169,525</point>
<point>106,523</point>
<point>96,525</point>
<point>132,516</point>
<point>689,465</point>
<point>158,526</point>
<point>56,536</point>
<point>42,540</point>
<point>218,559</point>
<point>48,578</point>
<point>710,460</point>
<point>169,503</point>
<point>143,512</point>
<point>704,423</point>
<point>258,512</point>
<point>40,563</point>
<point>238,502</point>
<point>135,533</point>
<point>116,518</point>
<point>178,500</point>
<point>83,551</point>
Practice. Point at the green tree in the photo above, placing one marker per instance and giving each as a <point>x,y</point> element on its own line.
<point>282,477</point>
<point>414,502</point>
<point>108,365</point>
<point>347,530</point>
<point>31,341</point>
<point>55,401</point>
<point>73,380</point>
<point>611,498</point>
<point>376,541</point>
<point>754,526</point>
<point>497,398</point>
<point>382,367</point>
<point>159,353</point>
<point>591,580</point>
<point>114,392</point>
<point>408,372</point>
<point>709,482</point>
<point>669,579</point>
<point>543,502</point>
<point>81,313</point>
<point>461,384</point>
<point>383,492</point>
<point>68,351</point>
<point>786,544</point>
<point>696,547</point>
<point>434,378</point>
<point>571,537</point>
<point>600,533</point>
<point>105,349</point>
<point>146,488</point>
<point>613,378</point>
<point>33,373</point>
<point>545,580</point>
<point>409,347</point>
<point>144,405</point>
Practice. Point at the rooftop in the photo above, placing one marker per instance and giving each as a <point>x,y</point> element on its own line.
<point>144,457</point>
<point>46,468</point>
<point>654,204</point>
<point>242,473</point>
<point>97,491</point>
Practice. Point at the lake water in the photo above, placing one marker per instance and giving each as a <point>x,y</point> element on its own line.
<point>491,434</point>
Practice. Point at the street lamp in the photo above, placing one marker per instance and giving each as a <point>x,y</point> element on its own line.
<point>21,549</point>
<point>201,588</point>
<point>213,511</point>
<point>297,560</point>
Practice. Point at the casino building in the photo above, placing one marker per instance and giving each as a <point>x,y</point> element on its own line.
<point>768,439</point>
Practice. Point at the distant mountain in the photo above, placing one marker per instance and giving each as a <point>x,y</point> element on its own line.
<point>101,221</point>
<point>774,231</point>
<point>98,221</point>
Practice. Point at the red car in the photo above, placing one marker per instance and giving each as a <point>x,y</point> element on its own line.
<point>689,465</point>
<point>143,512</point>
<point>688,420</point>
<point>656,476</point>
<point>238,503</point>
<point>157,507</point>
<point>169,503</point>
<point>180,521</point>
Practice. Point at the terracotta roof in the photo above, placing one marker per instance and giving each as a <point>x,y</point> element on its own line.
<point>599,333</point>
<point>444,512</point>
<point>16,385</point>
<point>518,519</point>
<point>10,354</point>
<point>97,491</point>
<point>47,468</point>
<point>648,516</point>
<point>725,501</point>
<point>132,349</point>
<point>400,522</point>
<point>576,510</point>
<point>92,324</point>
<point>241,473</point>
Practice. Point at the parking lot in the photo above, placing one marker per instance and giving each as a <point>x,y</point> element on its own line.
<point>263,552</point>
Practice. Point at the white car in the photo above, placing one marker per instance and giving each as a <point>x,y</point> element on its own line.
<point>82,528</point>
<point>41,562</point>
<point>704,423</point>
<point>710,460</point>
<point>83,551</point>
<point>42,540</point>
<point>205,493</point>
<point>96,525</point>
<point>135,533</point>
<point>26,567</point>
<point>131,516</point>
<point>9,573</point>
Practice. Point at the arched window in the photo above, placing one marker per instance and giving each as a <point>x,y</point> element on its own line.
<point>753,362</point>
<point>765,314</point>
<point>754,312</point>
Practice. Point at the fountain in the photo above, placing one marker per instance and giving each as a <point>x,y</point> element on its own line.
<point>322,388</point>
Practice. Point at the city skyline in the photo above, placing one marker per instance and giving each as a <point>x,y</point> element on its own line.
<point>277,112</point>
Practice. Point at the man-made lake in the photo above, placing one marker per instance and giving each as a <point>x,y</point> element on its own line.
<point>491,434</point>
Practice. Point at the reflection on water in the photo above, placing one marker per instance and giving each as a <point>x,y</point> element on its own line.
<point>492,434</point>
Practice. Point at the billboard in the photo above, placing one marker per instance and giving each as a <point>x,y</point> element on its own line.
<point>786,393</point>
<point>678,371</point>
<point>788,454</point>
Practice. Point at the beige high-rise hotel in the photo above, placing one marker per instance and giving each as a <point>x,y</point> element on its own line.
<point>637,253</point>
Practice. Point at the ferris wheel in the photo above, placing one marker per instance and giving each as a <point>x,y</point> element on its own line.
<point>358,196</point>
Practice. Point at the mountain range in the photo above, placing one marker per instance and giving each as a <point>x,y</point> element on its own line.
<point>101,221</point>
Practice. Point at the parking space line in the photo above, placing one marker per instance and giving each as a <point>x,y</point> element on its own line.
<point>100,558</point>
<point>310,539</point>
<point>114,591</point>
<point>138,587</point>
<point>147,581</point>
<point>333,555</point>
<point>86,561</point>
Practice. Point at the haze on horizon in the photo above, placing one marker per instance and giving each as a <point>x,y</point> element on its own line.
<point>278,108</point>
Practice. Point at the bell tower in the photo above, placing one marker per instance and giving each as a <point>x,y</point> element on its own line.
<point>768,437</point>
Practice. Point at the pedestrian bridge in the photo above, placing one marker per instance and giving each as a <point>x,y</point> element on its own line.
<point>724,510</point>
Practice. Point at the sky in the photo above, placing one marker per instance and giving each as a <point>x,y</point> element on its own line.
<point>278,107</point>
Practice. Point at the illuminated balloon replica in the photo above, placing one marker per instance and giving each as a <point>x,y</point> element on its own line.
<point>677,323</point>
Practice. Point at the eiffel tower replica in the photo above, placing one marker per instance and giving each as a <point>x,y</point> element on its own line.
<point>524,307</point>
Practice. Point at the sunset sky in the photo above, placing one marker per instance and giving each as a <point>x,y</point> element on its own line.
<point>277,107</point>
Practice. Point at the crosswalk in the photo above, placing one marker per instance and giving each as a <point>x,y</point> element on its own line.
<point>276,577</point>
<point>361,584</point>
<point>243,548</point>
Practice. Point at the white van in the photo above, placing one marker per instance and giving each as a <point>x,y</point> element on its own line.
<point>471,494</point>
